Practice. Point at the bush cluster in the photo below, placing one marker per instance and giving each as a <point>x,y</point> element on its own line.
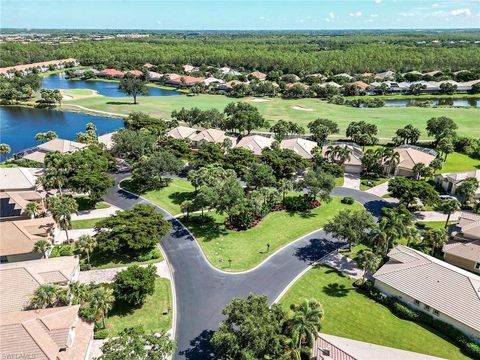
<point>348,200</point>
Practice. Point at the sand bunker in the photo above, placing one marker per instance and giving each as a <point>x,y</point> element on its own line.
<point>67,97</point>
<point>301,108</point>
<point>258,100</point>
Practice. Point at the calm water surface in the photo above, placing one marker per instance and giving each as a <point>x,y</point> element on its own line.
<point>457,102</point>
<point>18,125</point>
<point>110,89</point>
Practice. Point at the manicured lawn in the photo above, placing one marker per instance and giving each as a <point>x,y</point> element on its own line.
<point>168,198</point>
<point>84,224</point>
<point>339,181</point>
<point>353,315</point>
<point>388,119</point>
<point>437,224</point>
<point>107,262</point>
<point>373,182</point>
<point>150,315</point>
<point>248,248</point>
<point>457,162</point>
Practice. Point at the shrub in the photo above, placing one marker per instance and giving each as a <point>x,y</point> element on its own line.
<point>348,200</point>
<point>473,349</point>
<point>134,284</point>
<point>333,169</point>
<point>404,311</point>
<point>62,250</point>
<point>153,254</point>
<point>87,313</point>
<point>100,334</point>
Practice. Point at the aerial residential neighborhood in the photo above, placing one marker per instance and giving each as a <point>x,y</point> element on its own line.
<point>298,180</point>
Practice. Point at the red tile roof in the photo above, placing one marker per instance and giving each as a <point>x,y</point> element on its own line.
<point>112,72</point>
<point>190,79</point>
<point>362,85</point>
<point>148,65</point>
<point>135,72</point>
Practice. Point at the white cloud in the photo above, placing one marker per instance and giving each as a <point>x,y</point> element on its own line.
<point>378,1</point>
<point>405,14</point>
<point>332,15</point>
<point>458,12</point>
<point>262,17</point>
<point>327,19</point>
<point>358,13</point>
<point>373,15</point>
<point>435,5</point>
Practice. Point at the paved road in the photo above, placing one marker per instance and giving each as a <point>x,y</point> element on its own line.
<point>202,291</point>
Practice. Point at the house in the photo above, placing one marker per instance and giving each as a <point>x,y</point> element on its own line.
<point>258,75</point>
<point>290,85</point>
<point>151,75</point>
<point>299,146</point>
<point>81,72</point>
<point>18,187</point>
<point>211,80</point>
<point>433,286</point>
<point>227,71</point>
<point>41,66</point>
<point>184,80</point>
<point>51,334</point>
<point>433,73</point>
<point>464,249</point>
<point>230,84</point>
<point>255,143</point>
<point>331,83</point>
<point>111,73</point>
<point>450,181</point>
<point>107,140</point>
<point>410,156</point>
<point>361,85</point>
<point>211,136</point>
<point>182,132</point>
<point>61,145</point>
<point>384,75</point>
<point>19,280</point>
<point>366,75</point>
<point>344,75</point>
<point>189,68</point>
<point>330,347</point>
<point>20,236</point>
<point>134,72</point>
<point>148,65</point>
<point>353,165</point>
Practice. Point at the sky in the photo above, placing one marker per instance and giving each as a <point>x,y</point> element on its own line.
<point>240,15</point>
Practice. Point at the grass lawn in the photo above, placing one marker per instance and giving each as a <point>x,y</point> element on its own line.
<point>351,314</point>
<point>108,262</point>
<point>150,315</point>
<point>388,119</point>
<point>437,224</point>
<point>84,203</point>
<point>457,162</point>
<point>168,198</point>
<point>84,224</point>
<point>248,248</point>
<point>374,182</point>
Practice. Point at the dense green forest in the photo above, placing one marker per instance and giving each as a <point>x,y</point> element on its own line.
<point>291,53</point>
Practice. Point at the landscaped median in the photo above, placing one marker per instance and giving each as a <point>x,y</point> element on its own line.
<point>351,314</point>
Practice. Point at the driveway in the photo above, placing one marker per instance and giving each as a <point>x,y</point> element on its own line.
<point>202,291</point>
<point>351,181</point>
<point>379,190</point>
<point>436,216</point>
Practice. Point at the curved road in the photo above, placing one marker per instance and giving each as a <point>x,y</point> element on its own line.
<point>203,291</point>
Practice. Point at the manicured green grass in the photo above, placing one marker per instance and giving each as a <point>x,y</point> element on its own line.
<point>388,119</point>
<point>339,181</point>
<point>169,197</point>
<point>150,315</point>
<point>437,224</point>
<point>247,248</point>
<point>374,182</point>
<point>457,162</point>
<point>78,92</point>
<point>351,314</point>
<point>103,261</point>
<point>84,224</point>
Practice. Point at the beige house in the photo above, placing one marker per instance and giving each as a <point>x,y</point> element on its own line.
<point>464,249</point>
<point>51,334</point>
<point>354,164</point>
<point>299,146</point>
<point>107,140</point>
<point>450,181</point>
<point>330,347</point>
<point>211,136</point>
<point>411,156</point>
<point>41,66</point>
<point>18,281</point>
<point>258,75</point>
<point>61,145</point>
<point>255,143</point>
<point>19,238</point>
<point>435,287</point>
<point>182,132</point>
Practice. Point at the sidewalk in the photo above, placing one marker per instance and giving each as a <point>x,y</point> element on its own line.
<point>343,264</point>
<point>435,216</point>
<point>73,235</point>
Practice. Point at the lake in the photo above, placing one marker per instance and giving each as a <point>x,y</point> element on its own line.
<point>456,102</point>
<point>105,88</point>
<point>18,125</point>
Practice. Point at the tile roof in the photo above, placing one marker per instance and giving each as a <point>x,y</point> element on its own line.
<point>15,202</point>
<point>300,146</point>
<point>135,72</point>
<point>255,143</point>
<point>62,145</point>
<point>212,135</point>
<point>18,237</point>
<point>37,65</point>
<point>182,132</point>
<point>409,157</point>
<point>107,139</point>
<point>258,75</point>
<point>356,153</point>
<point>19,280</point>
<point>362,85</point>
<point>19,178</point>
<point>444,287</point>
<point>111,72</point>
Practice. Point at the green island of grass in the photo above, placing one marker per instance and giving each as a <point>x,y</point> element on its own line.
<point>351,314</point>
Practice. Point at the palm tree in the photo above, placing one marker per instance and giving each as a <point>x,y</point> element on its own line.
<point>392,162</point>
<point>85,245</point>
<point>448,207</point>
<point>56,170</point>
<point>418,170</point>
<point>368,261</point>
<point>435,238</point>
<point>42,246</point>
<point>78,292</point>
<point>291,351</point>
<point>46,295</point>
<point>101,301</point>
<point>33,209</point>
<point>332,152</point>
<point>40,137</point>
<point>411,234</point>
<point>344,153</point>
<point>379,240</point>
<point>5,149</point>
<point>62,208</point>
<point>306,321</point>
<point>284,186</point>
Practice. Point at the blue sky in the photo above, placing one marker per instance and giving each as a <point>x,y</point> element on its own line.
<point>240,15</point>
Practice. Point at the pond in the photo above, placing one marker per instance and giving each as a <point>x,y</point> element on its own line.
<point>18,125</point>
<point>105,88</point>
<point>456,102</point>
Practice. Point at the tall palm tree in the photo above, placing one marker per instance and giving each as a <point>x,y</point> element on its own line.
<point>332,152</point>
<point>46,295</point>
<point>436,238</point>
<point>101,301</point>
<point>448,207</point>
<point>344,153</point>
<point>306,321</point>
<point>368,261</point>
<point>284,186</point>
<point>78,292</point>
<point>379,240</point>
<point>56,170</point>
<point>392,162</point>
<point>32,209</point>
<point>85,244</point>
<point>418,170</point>
<point>5,149</point>
<point>62,208</point>
<point>411,234</point>
<point>42,246</point>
